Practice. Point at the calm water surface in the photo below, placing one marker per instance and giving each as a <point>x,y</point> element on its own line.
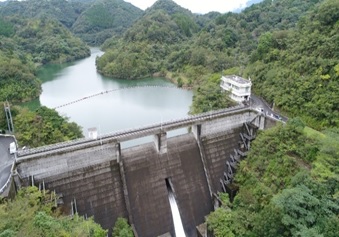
<point>118,110</point>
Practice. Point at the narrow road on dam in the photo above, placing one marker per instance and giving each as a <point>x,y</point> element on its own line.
<point>262,106</point>
<point>6,161</point>
<point>136,132</point>
<point>257,104</point>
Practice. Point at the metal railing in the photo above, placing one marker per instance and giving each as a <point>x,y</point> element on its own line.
<point>167,125</point>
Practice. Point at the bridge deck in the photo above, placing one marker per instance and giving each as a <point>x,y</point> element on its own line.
<point>134,133</point>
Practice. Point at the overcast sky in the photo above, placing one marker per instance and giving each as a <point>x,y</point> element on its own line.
<point>197,6</point>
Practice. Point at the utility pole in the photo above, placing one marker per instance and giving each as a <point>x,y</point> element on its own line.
<point>9,117</point>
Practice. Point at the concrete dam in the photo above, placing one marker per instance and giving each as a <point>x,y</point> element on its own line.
<point>98,178</point>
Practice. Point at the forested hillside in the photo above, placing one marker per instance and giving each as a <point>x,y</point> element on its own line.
<point>103,19</point>
<point>17,73</point>
<point>24,45</point>
<point>47,41</point>
<point>93,20</point>
<point>288,186</point>
<point>145,46</point>
<point>27,43</point>
<point>34,213</point>
<point>61,10</point>
<point>225,41</point>
<point>288,183</point>
<point>298,69</point>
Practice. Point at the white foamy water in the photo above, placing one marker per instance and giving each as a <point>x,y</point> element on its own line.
<point>178,228</point>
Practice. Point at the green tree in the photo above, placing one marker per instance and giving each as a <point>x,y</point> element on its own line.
<point>33,213</point>
<point>42,127</point>
<point>6,28</point>
<point>302,212</point>
<point>209,96</point>
<point>280,191</point>
<point>122,228</point>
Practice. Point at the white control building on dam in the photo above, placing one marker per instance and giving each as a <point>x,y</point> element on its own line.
<point>239,87</point>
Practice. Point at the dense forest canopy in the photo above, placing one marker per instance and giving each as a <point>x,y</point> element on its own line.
<point>103,19</point>
<point>288,186</point>
<point>46,127</point>
<point>144,48</point>
<point>17,74</point>
<point>25,44</point>
<point>60,10</point>
<point>298,69</point>
<point>92,20</point>
<point>47,41</point>
<point>35,213</point>
<point>40,127</point>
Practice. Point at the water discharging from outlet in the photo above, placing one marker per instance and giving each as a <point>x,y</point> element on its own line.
<point>178,228</point>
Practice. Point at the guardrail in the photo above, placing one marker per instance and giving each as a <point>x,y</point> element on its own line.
<point>141,129</point>
<point>2,189</point>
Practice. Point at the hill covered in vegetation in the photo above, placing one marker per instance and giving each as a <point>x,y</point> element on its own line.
<point>27,43</point>
<point>93,21</point>
<point>269,42</point>
<point>144,47</point>
<point>61,10</point>
<point>221,42</point>
<point>288,186</point>
<point>105,18</point>
<point>298,69</point>
<point>35,213</point>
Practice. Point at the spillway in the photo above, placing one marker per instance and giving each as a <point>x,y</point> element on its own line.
<point>178,227</point>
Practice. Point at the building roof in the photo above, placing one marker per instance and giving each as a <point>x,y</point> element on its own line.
<point>237,79</point>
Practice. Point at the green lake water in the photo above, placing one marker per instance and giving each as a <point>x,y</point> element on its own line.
<point>116,110</point>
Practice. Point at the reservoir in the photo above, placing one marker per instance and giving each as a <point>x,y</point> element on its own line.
<point>127,103</point>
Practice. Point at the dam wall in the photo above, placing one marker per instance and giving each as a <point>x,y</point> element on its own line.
<point>97,178</point>
<point>222,124</point>
<point>217,149</point>
<point>146,174</point>
<point>58,161</point>
<point>88,177</point>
